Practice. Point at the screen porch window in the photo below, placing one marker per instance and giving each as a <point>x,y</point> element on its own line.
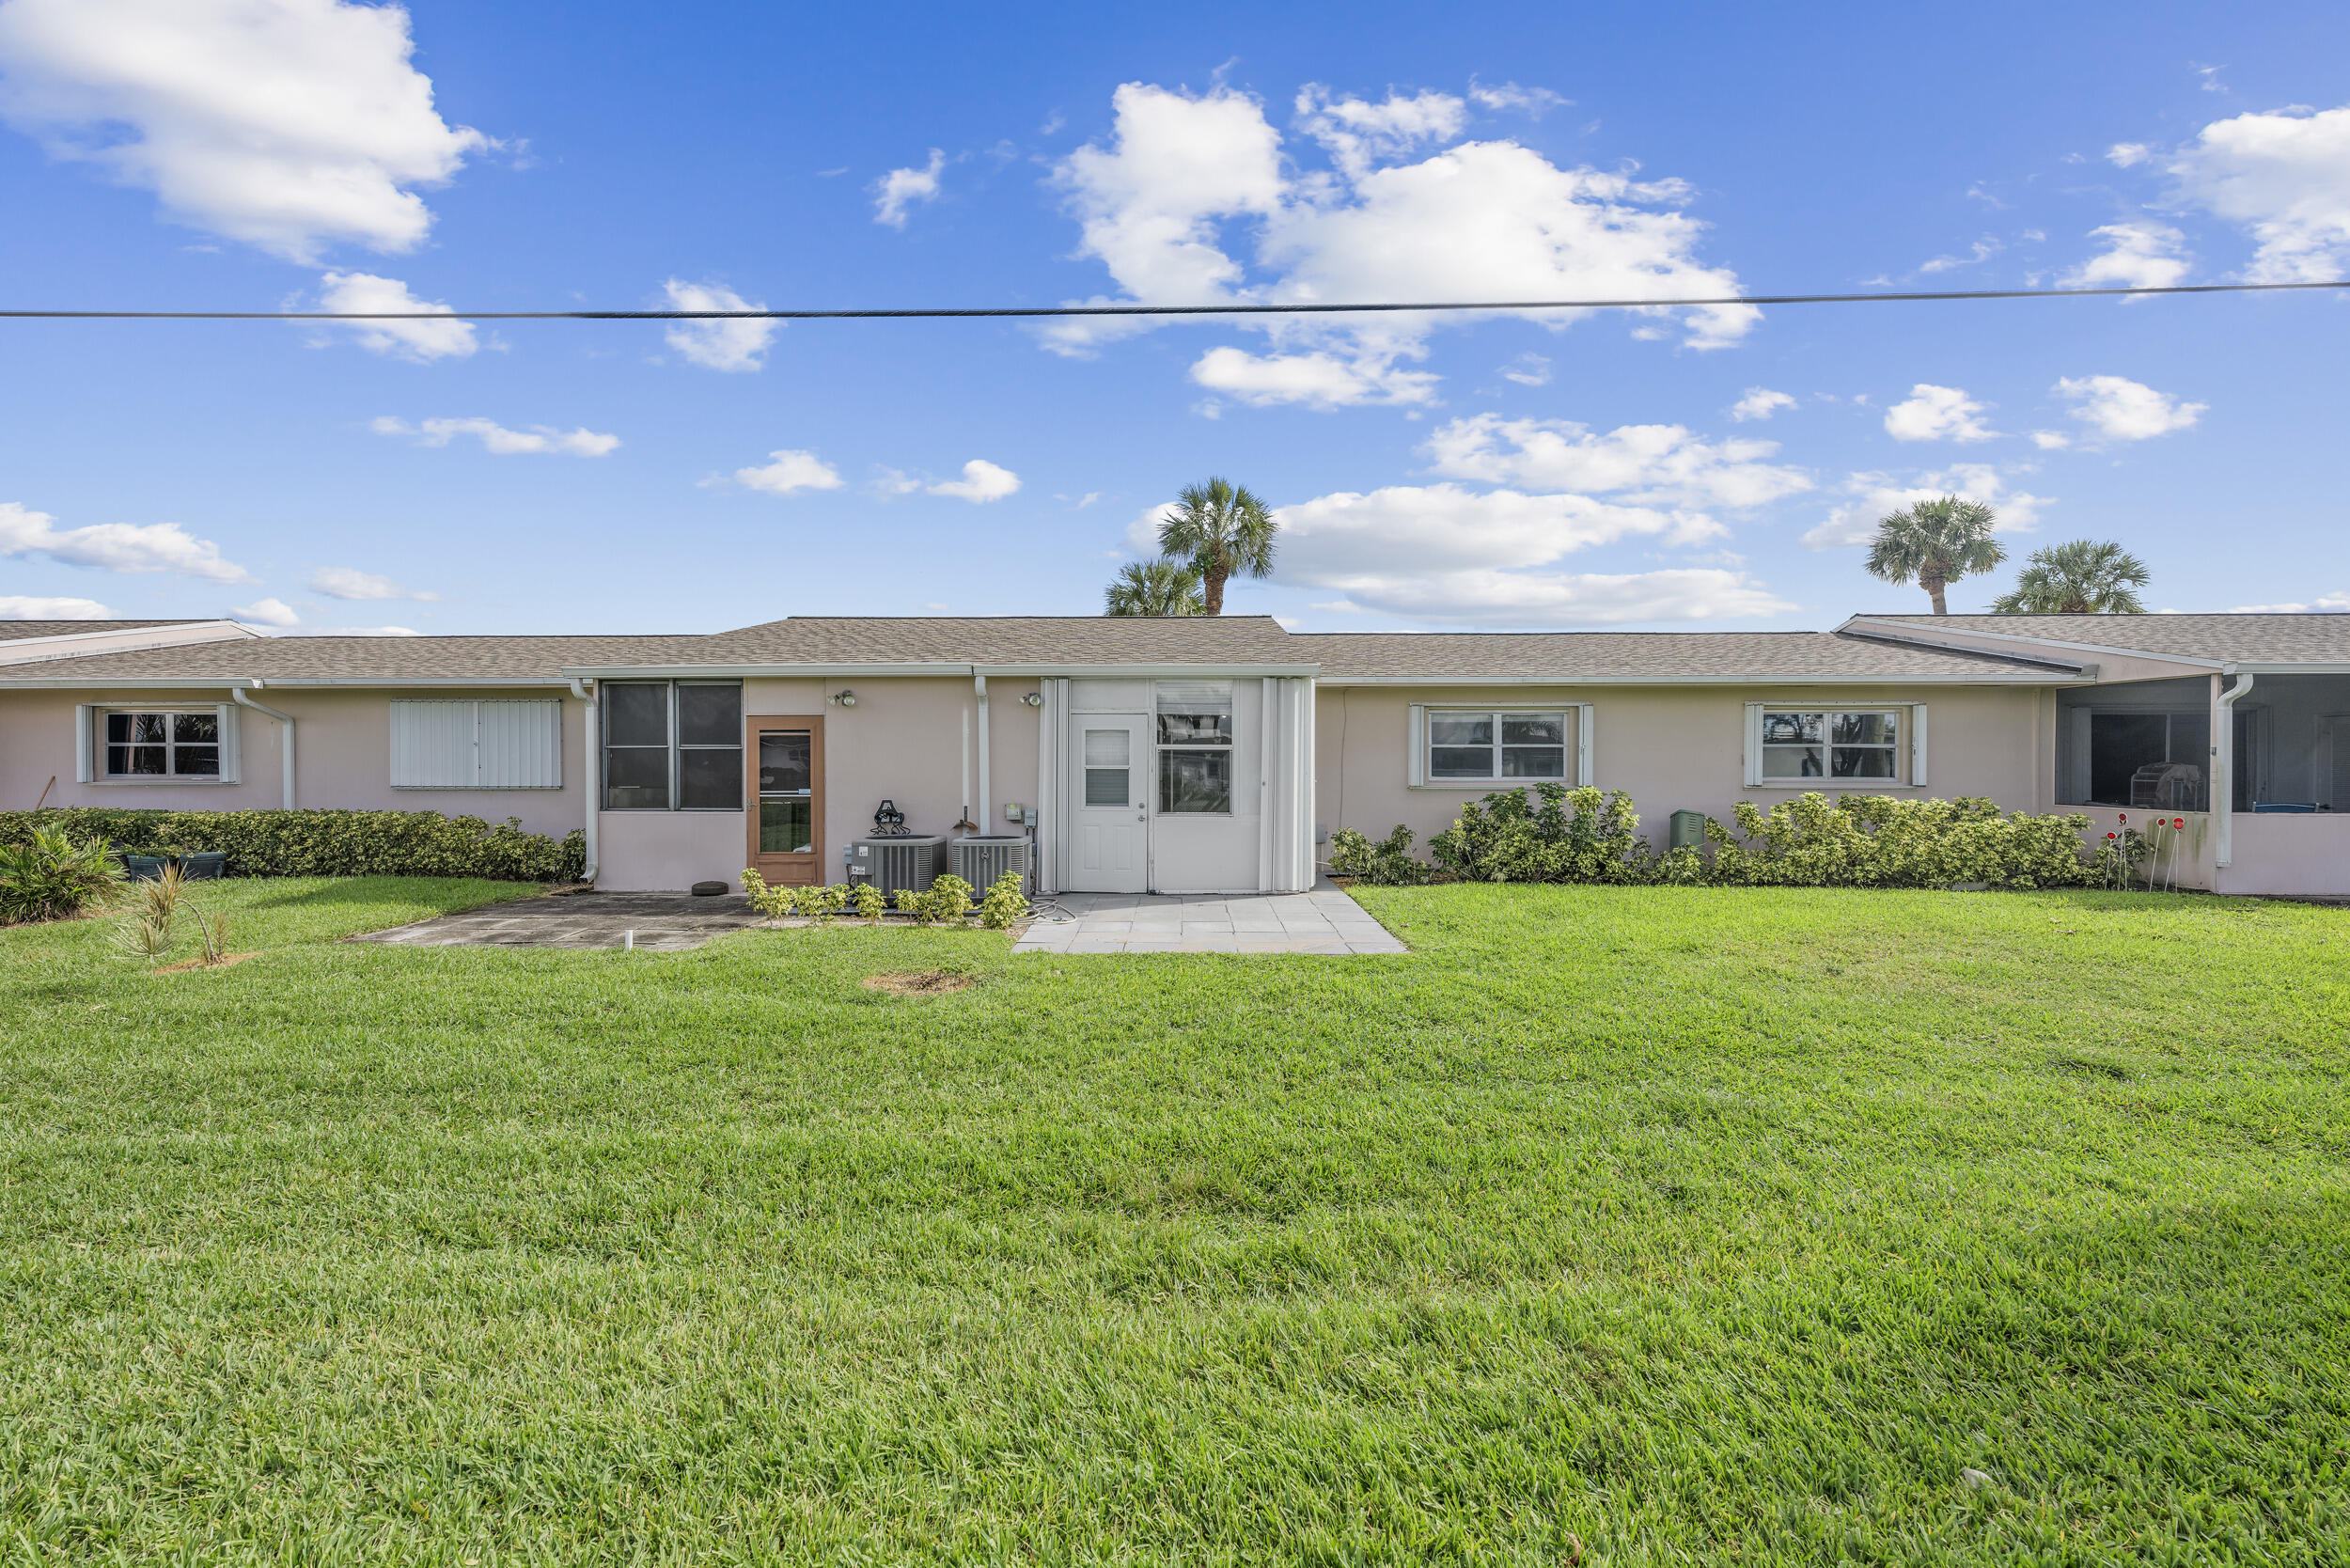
<point>163,745</point>
<point>1195,748</point>
<point>2158,760</point>
<point>1475,746</point>
<point>673,745</point>
<point>1859,743</point>
<point>787,793</point>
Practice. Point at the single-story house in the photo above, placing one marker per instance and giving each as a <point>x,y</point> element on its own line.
<point>1210,754</point>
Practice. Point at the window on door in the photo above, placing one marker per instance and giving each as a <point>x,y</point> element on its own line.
<point>1195,748</point>
<point>1110,767</point>
<point>673,745</point>
<point>787,794</point>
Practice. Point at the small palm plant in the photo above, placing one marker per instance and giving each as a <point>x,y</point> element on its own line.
<point>1155,588</point>
<point>2085,577</point>
<point>1222,531</point>
<point>1934,544</point>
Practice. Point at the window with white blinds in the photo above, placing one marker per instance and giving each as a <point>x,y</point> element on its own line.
<point>464,744</point>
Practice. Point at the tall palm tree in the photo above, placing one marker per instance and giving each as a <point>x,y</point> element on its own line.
<point>1153,588</point>
<point>1222,530</point>
<point>2085,577</point>
<point>1934,544</point>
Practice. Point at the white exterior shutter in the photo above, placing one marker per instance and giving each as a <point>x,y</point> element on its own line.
<point>1415,772</point>
<point>1583,744</point>
<point>519,743</point>
<point>1918,744</point>
<point>1754,744</point>
<point>87,719</point>
<point>433,745</point>
<point>227,721</point>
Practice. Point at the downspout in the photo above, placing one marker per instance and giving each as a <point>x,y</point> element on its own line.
<point>285,734</point>
<point>2223,769</point>
<point>978,687</point>
<point>587,774</point>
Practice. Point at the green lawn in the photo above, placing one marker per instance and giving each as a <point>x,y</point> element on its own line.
<point>1664,1225</point>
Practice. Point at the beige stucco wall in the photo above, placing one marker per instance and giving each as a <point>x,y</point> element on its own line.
<point>1670,747</point>
<point>342,757</point>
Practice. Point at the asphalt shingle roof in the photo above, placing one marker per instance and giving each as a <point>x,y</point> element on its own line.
<point>1076,639</point>
<point>2320,639</point>
<point>13,631</point>
<point>1619,655</point>
<point>365,659</point>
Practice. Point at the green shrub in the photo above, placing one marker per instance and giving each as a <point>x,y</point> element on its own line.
<point>49,877</point>
<point>1387,863</point>
<point>1554,834</point>
<point>326,843</point>
<point>1005,903</point>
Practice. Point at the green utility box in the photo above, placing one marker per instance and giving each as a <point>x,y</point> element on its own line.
<point>1687,831</point>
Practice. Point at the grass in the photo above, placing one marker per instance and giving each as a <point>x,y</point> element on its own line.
<point>1624,1226</point>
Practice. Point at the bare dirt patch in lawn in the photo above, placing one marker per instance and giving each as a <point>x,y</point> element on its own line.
<point>927,982</point>
<point>223,962</point>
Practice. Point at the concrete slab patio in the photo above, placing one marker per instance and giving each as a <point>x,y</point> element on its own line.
<point>664,922</point>
<point>1325,921</point>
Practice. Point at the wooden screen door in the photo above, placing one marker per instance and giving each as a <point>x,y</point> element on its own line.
<point>785,758</point>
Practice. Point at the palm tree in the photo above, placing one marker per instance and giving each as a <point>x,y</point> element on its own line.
<point>1153,588</point>
<point>1221,529</point>
<point>2084,577</point>
<point>1935,543</point>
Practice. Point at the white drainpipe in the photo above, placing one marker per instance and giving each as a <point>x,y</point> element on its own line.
<point>587,774</point>
<point>286,734</point>
<point>2223,768</point>
<point>979,686</point>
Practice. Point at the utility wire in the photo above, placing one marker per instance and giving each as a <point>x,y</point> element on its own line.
<point>1132,309</point>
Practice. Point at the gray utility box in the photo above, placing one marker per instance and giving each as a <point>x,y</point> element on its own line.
<point>1687,831</point>
<point>914,861</point>
<point>983,857</point>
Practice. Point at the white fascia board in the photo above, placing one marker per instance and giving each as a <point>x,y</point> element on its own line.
<point>83,645</point>
<point>281,682</point>
<point>2328,668</point>
<point>956,670</point>
<point>1902,631</point>
<point>2020,678</point>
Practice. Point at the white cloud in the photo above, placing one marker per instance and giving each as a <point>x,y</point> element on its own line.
<point>2323,605</point>
<point>900,189</point>
<point>2287,177</point>
<point>981,481</point>
<point>1983,250</point>
<point>267,612</point>
<point>1318,380</point>
<point>288,125</point>
<point>1510,97</point>
<point>725,345</point>
<point>18,607</point>
<point>1759,402</point>
<point>2128,155</point>
<point>116,546</point>
<point>1444,552</point>
<point>1191,203</point>
<point>2051,441</point>
<point>1932,413</point>
<point>497,438</point>
<point>1876,495</point>
<point>1528,369</point>
<point>790,470</point>
<point>2119,409</point>
<point>344,582</point>
<point>1659,464</point>
<point>2140,255</point>
<point>444,338</point>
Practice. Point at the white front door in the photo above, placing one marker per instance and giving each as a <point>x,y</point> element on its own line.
<point>1109,805</point>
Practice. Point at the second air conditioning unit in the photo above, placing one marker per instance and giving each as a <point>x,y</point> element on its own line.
<point>913,860</point>
<point>984,858</point>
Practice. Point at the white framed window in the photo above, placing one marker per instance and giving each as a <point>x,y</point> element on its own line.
<point>1795,746</point>
<point>673,745</point>
<point>1462,747</point>
<point>1195,748</point>
<point>164,743</point>
<point>462,744</point>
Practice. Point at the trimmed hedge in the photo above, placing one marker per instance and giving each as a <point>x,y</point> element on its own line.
<point>324,844</point>
<point>1555,834</point>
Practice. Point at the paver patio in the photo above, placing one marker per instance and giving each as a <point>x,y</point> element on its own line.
<point>1325,921</point>
<point>663,922</point>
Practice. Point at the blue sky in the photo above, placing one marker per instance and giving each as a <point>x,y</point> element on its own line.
<point>1614,470</point>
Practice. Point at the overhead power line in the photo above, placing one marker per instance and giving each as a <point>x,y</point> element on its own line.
<point>1307,309</point>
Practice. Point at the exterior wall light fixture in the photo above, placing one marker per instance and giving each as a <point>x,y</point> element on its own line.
<point>1034,700</point>
<point>842,698</point>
